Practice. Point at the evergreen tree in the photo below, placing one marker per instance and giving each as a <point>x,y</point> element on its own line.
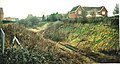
<point>116,9</point>
<point>43,18</point>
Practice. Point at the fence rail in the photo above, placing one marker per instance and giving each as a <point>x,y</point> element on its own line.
<point>13,42</point>
<point>2,33</point>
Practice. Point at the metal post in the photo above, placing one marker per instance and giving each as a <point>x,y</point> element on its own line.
<point>13,42</point>
<point>3,40</point>
<point>16,41</point>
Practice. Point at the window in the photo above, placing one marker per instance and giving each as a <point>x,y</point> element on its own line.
<point>103,12</point>
<point>79,12</point>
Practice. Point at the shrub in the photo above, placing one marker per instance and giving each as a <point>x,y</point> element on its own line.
<point>82,20</point>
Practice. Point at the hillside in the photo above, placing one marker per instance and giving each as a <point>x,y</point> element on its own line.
<point>62,43</point>
<point>93,33</point>
<point>99,38</point>
<point>36,49</point>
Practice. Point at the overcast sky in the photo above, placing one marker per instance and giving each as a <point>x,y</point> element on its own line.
<point>21,8</point>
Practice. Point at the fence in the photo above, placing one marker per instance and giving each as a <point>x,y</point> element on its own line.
<point>3,41</point>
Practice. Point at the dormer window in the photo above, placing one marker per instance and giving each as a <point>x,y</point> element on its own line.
<point>79,12</point>
<point>103,12</point>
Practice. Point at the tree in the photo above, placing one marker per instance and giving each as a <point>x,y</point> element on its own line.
<point>30,21</point>
<point>54,17</point>
<point>116,9</point>
<point>43,18</point>
<point>83,18</point>
<point>93,13</point>
<point>59,16</point>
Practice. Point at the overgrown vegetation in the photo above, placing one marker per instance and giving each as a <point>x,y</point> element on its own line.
<point>90,36</point>
<point>62,42</point>
<point>30,21</point>
<point>36,50</point>
<point>54,17</point>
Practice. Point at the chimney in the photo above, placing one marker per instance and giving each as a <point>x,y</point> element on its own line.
<point>1,14</point>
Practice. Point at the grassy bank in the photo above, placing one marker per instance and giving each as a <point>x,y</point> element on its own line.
<point>94,37</point>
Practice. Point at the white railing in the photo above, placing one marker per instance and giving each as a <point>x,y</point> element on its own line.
<point>3,41</point>
<point>13,42</point>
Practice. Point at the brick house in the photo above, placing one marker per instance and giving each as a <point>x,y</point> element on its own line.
<point>77,12</point>
<point>8,18</point>
<point>1,14</point>
<point>11,19</point>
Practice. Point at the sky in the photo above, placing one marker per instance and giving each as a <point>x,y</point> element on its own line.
<point>21,8</point>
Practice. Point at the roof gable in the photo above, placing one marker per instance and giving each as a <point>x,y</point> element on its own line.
<point>103,8</point>
<point>74,8</point>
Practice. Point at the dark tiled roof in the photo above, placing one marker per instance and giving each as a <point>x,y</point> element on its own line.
<point>91,8</point>
<point>87,8</point>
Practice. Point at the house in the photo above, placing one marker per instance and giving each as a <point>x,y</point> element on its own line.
<point>80,11</point>
<point>1,14</point>
<point>8,18</point>
<point>11,19</point>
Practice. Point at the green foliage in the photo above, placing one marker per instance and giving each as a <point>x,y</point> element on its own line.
<point>80,38</point>
<point>116,9</point>
<point>54,17</point>
<point>1,23</point>
<point>36,50</point>
<point>33,20</point>
<point>95,36</point>
<point>30,21</point>
<point>24,56</point>
<point>8,21</point>
<point>82,20</point>
<point>43,18</point>
<point>53,34</point>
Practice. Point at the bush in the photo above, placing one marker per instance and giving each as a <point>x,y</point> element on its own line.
<point>31,21</point>
<point>24,56</point>
<point>7,21</point>
<point>82,20</point>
